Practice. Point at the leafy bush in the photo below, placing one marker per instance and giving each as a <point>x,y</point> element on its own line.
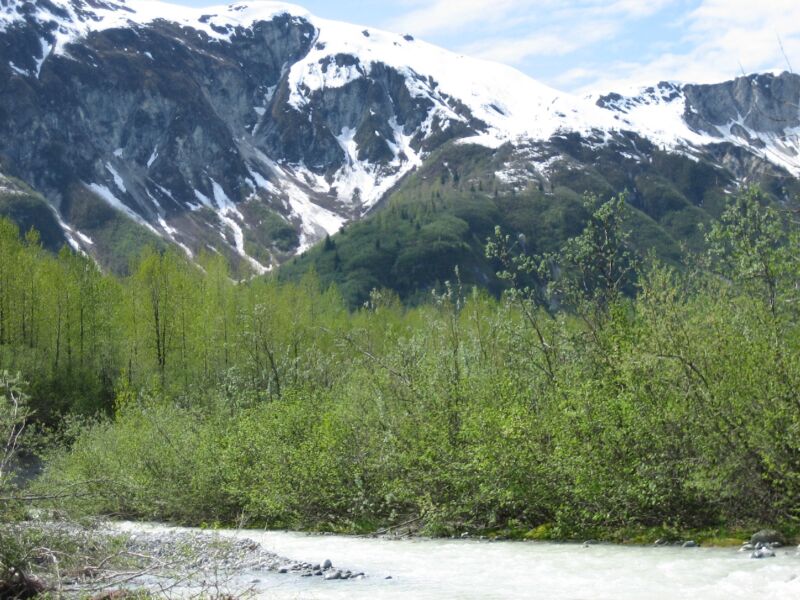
<point>602,391</point>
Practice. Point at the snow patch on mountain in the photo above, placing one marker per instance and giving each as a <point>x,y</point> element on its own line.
<point>511,104</point>
<point>657,113</point>
<point>660,114</point>
<point>17,70</point>
<point>118,181</point>
<point>230,217</point>
<point>315,221</point>
<point>74,19</point>
<point>8,188</point>
<point>528,162</point>
<point>106,194</point>
<point>70,234</point>
<point>153,157</point>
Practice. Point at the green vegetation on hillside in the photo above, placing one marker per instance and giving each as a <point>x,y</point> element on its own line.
<point>568,406</point>
<point>441,215</point>
<point>117,239</point>
<point>30,210</point>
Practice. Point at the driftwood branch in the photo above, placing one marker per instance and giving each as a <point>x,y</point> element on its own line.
<point>398,526</point>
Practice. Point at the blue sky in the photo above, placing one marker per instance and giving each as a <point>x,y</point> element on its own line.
<point>587,45</point>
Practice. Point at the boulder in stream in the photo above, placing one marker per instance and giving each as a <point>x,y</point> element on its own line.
<point>763,552</point>
<point>767,536</point>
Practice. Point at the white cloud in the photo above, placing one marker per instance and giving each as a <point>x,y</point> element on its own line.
<point>446,16</point>
<point>712,40</point>
<point>574,76</point>
<point>556,41</point>
<point>721,39</point>
<point>513,31</point>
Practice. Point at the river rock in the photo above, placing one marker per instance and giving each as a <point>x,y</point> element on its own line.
<point>747,547</point>
<point>327,564</point>
<point>767,536</point>
<point>763,552</point>
<point>333,575</point>
<point>690,544</point>
<point>661,542</point>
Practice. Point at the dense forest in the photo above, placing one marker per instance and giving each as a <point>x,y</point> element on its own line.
<point>600,391</point>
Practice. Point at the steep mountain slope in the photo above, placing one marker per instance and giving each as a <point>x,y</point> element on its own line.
<point>30,211</point>
<point>256,129</point>
<point>441,215</point>
<point>759,114</point>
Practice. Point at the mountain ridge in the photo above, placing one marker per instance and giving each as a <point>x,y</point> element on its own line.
<point>257,129</point>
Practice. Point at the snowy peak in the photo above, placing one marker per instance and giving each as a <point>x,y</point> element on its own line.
<point>758,112</point>
<point>665,92</point>
<point>74,18</point>
<point>62,22</point>
<point>503,102</point>
<point>657,113</point>
<point>507,101</point>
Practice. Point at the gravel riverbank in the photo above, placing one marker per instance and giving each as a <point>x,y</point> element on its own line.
<point>104,560</point>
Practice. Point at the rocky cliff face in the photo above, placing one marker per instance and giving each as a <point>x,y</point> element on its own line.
<point>255,129</point>
<point>759,114</point>
<point>749,107</point>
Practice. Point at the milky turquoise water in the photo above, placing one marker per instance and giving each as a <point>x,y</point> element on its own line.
<point>465,569</point>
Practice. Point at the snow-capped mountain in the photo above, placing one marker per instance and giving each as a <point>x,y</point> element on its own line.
<point>760,113</point>
<point>255,129</point>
